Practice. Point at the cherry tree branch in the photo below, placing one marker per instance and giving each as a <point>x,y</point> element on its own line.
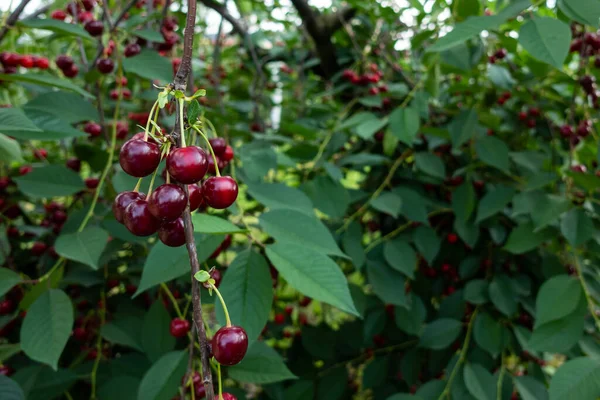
<point>13,18</point>
<point>180,83</point>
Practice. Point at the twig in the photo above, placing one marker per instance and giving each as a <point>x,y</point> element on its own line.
<point>13,18</point>
<point>106,14</point>
<point>180,83</point>
<point>586,292</point>
<point>123,13</point>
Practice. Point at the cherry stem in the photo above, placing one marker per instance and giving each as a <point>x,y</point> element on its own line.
<point>148,122</point>
<point>227,320</point>
<point>151,183</point>
<point>212,127</point>
<point>137,185</point>
<point>211,151</point>
<point>220,384</point>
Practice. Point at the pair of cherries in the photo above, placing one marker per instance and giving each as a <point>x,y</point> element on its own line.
<point>162,210</point>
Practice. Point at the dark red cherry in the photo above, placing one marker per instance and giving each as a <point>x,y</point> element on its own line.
<point>93,129</point>
<point>39,248</point>
<point>217,276</point>
<point>211,165</point>
<point>74,164</point>
<point>105,65</point>
<point>228,154</point>
<point>229,345</point>
<point>122,201</point>
<point>220,191</point>
<point>7,306</point>
<point>167,202</point>
<point>64,62</point>
<point>228,396</point>
<point>139,220</point>
<point>195,195</point>
<point>179,327</point>
<point>279,318</point>
<point>59,15</point>
<point>94,28</point>
<point>132,49</point>
<point>71,72</point>
<point>187,164</point>
<point>8,371</point>
<point>139,158</point>
<point>59,217</point>
<point>92,183</point>
<point>218,145</point>
<point>27,61</point>
<point>172,233</point>
<point>88,4</point>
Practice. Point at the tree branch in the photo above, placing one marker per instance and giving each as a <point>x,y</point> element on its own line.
<point>13,18</point>
<point>180,83</point>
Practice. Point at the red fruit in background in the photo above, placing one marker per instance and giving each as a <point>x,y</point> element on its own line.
<point>179,327</point>
<point>4,182</point>
<point>88,4</point>
<point>220,192</point>
<point>8,371</point>
<point>167,202</point>
<point>85,16</point>
<point>534,112</point>
<point>39,248</point>
<point>172,233</point>
<point>122,201</point>
<point>228,154</point>
<point>10,59</point>
<point>579,168</point>
<point>500,54</point>
<point>522,115</point>
<point>217,276</point>
<point>195,196</point>
<point>139,220</point>
<point>218,145</point>
<point>59,217</point>
<point>229,345</point>
<point>105,65</point>
<point>305,301</point>
<point>228,396</point>
<point>566,131</point>
<point>42,63</point>
<point>373,91</point>
<point>94,28</point>
<point>256,127</point>
<point>59,15</point>
<point>452,238</point>
<point>279,319</point>
<point>531,123</point>
<point>288,309</point>
<point>25,169</point>
<point>71,72</point>
<point>92,183</point>
<point>139,158</point>
<point>27,61</point>
<point>7,306</point>
<point>64,62</point>
<point>40,154</point>
<point>169,23</point>
<point>79,334</point>
<point>187,164</point>
<point>93,129</point>
<point>132,49</point>
<point>123,130</point>
<point>114,94</point>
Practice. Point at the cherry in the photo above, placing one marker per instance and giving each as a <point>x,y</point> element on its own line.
<point>217,276</point>
<point>187,164</point>
<point>211,165</point>
<point>64,62</point>
<point>93,129</point>
<point>218,145</point>
<point>92,183</point>
<point>500,54</point>
<point>195,195</point>
<point>88,4</point>
<point>11,59</point>
<point>220,191</point>
<point>39,248</point>
<point>8,371</point>
<point>7,306</point>
<point>169,23</point>
<point>288,309</point>
<point>105,65</point>
<point>566,131</point>
<point>531,123</point>
<point>5,182</point>
<point>167,202</point>
<point>279,319</point>
<point>228,154</point>
<point>579,168</point>
<point>452,238</point>
<point>59,217</point>
<point>305,301</point>
<point>179,327</point>
<point>172,233</point>
<point>27,62</point>
<point>85,17</point>
<point>59,15</point>
<point>139,220</point>
<point>94,28</point>
<point>229,345</point>
<point>373,91</point>
<point>522,115</point>
<point>227,396</point>
<point>140,135</point>
<point>42,63</point>
<point>122,201</point>
<point>40,154</point>
<point>130,289</point>
<point>132,49</point>
<point>79,334</point>
<point>139,158</point>
<point>71,72</point>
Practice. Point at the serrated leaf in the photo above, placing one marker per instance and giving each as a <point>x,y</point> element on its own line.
<point>411,320</point>
<point>193,111</point>
<point>328,196</point>
<point>50,181</point>
<point>493,152</point>
<point>211,224</point>
<point>558,297</point>
<point>560,335</point>
<point>352,244</point>
<point>401,256</point>
<point>164,377</point>
<point>10,150</point>
<point>413,204</point>
<point>247,287</point>
<point>279,195</point>
<point>47,327</point>
<point>427,242</point>
<point>156,339</point>
<point>476,291</point>
<point>8,279</point>
<point>368,128</point>
<point>14,120</point>
<point>463,127</point>
<point>576,379</point>
<point>150,65</point>
<point>312,273</point>
<point>261,365</point>
<point>546,39</point>
<point>56,26</point>
<point>85,246</point>
<point>465,30</point>
<point>577,227</point>
<point>494,201</point>
<point>463,201</point>
<point>45,79</point>
<point>548,209</point>
<point>405,124</point>
<point>585,12</point>
<point>389,203</point>
<point>150,35</point>
<point>125,331</point>
<point>487,333</point>
<point>440,333</point>
<point>430,164</point>
<point>502,295</point>
<point>530,389</point>
<point>388,284</point>
<point>10,389</point>
<point>480,383</point>
<point>524,238</point>
<point>64,105</point>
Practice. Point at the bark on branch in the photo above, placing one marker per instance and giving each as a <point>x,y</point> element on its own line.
<point>13,18</point>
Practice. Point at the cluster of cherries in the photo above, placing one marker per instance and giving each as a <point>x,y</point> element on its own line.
<point>161,210</point>
<point>371,78</point>
<point>529,117</point>
<point>11,61</point>
<point>583,130</point>
<point>499,54</point>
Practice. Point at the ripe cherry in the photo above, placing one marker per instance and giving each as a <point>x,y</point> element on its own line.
<point>227,396</point>
<point>79,334</point>
<point>71,72</point>
<point>218,145</point>
<point>7,306</point>
<point>132,49</point>
<point>88,4</point>
<point>167,202</point>
<point>279,319</point>
<point>187,164</point>
<point>217,276</point>
<point>42,63</point>
<point>122,201</point>
<point>220,191</point>
<point>59,217</point>
<point>195,195</point>
<point>93,129</point>
<point>139,220</point>
<point>40,154</point>
<point>452,238</point>
<point>179,327</point>
<point>59,15</point>
<point>172,233</point>
<point>139,158</point>
<point>94,28</point>
<point>8,371</point>
<point>228,154</point>
<point>85,16</point>
<point>27,61</point>
<point>64,62</point>
<point>39,248</point>
<point>229,345</point>
<point>92,183</point>
<point>105,65</point>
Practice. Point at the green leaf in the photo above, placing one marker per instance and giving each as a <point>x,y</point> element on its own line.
<point>14,120</point>
<point>329,196</point>
<point>51,127</point>
<point>524,238</point>
<point>10,150</point>
<point>10,389</point>
<point>50,181</point>
<point>278,195</point>
<point>291,226</point>
<point>463,127</point>
<point>411,320</point>
<point>440,333</point>
<point>577,227</point>
<point>352,244</point>
<point>261,365</point>
<point>258,158</point>
<point>503,296</point>
<point>427,242</point>
<point>367,129</point>
<point>548,208</point>
<point>413,205</point>
<point>500,77</point>
<point>206,223</point>
<point>164,377</point>
<point>86,246</point>
<point>463,201</point>
<point>66,106</point>
<point>167,263</point>
<point>560,335</point>
<point>401,256</point>
<point>546,39</point>
<point>193,111</point>
<point>8,279</point>
<point>585,12</point>
<point>119,388</point>
<point>312,273</point>
<point>388,284</point>
<point>576,379</point>
<point>125,331</point>
<point>405,124</point>
<point>156,339</point>
<point>465,30</point>
<point>375,372</point>
<point>247,287</point>
<point>357,119</point>
<point>557,298</point>
<point>150,35</point>
<point>487,333</point>
<point>8,350</point>
<point>150,65</point>
<point>388,203</point>
<point>430,164</point>
<point>531,389</point>
<point>493,152</point>
<point>60,27</point>
<point>47,327</point>
<point>494,201</point>
<point>480,383</point>
<point>476,291</point>
<point>45,79</point>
